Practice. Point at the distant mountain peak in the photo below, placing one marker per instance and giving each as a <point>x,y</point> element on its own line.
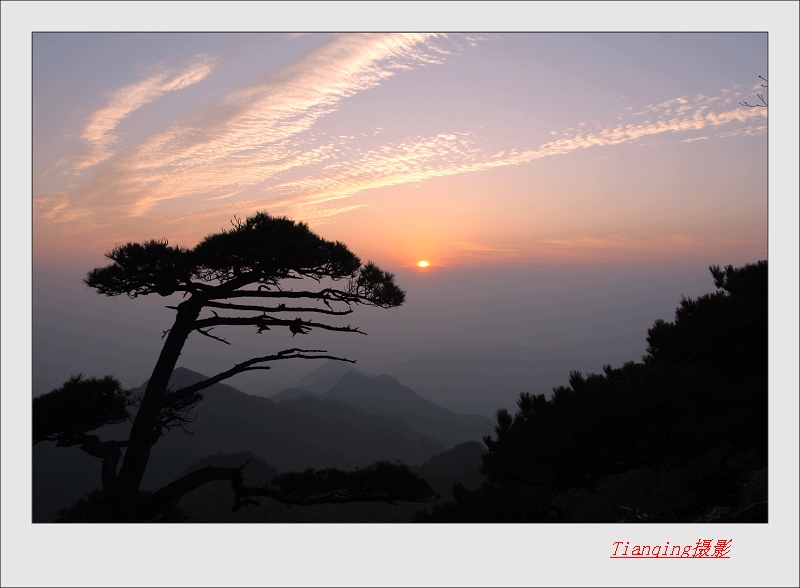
<point>388,379</point>
<point>386,395</point>
<point>322,379</point>
<point>356,376</point>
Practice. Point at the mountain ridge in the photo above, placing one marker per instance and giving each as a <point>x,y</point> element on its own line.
<point>385,395</point>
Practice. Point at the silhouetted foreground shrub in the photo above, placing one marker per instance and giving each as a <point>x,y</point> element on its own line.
<point>701,386</point>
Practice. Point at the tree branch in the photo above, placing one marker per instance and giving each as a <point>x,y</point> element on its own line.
<point>369,485</point>
<point>279,308</point>
<point>327,294</point>
<point>92,445</point>
<point>208,334</point>
<point>265,321</point>
<point>249,365</point>
<point>110,452</point>
<point>762,105</point>
<point>760,97</point>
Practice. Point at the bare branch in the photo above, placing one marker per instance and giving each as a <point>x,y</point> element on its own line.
<point>208,334</point>
<point>762,105</point>
<point>249,365</point>
<point>760,97</point>
<point>172,414</point>
<point>176,417</point>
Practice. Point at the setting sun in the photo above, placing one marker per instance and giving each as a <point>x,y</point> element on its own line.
<point>422,264</point>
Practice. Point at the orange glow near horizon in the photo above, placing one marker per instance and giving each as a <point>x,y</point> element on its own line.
<point>423,263</point>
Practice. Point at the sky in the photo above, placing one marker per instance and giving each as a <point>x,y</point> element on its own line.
<point>509,162</point>
<point>565,188</point>
<point>460,149</point>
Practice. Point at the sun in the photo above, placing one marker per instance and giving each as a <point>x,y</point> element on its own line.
<point>422,263</point>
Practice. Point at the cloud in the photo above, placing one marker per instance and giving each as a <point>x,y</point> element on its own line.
<point>611,242</point>
<point>611,247</point>
<point>415,160</point>
<point>422,158</point>
<point>651,247</point>
<point>248,137</point>
<point>254,134</point>
<point>475,247</point>
<point>55,207</point>
<point>256,147</point>
<point>124,101</point>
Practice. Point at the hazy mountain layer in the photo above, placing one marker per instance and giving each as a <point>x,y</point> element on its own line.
<point>385,395</point>
<point>289,435</point>
<point>469,380</point>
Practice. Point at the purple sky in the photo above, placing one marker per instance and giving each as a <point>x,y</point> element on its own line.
<point>461,149</point>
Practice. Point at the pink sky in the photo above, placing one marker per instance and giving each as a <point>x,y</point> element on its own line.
<point>407,146</point>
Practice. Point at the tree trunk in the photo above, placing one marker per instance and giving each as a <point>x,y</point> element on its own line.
<point>145,429</point>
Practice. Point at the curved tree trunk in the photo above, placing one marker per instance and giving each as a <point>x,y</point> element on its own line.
<point>145,430</point>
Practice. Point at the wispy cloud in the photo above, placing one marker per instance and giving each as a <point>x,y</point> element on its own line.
<point>651,247</point>
<point>55,207</point>
<point>99,129</point>
<point>423,158</point>
<point>607,247</point>
<point>613,241</point>
<point>478,248</point>
<point>415,160</point>
<point>250,136</point>
<point>256,147</point>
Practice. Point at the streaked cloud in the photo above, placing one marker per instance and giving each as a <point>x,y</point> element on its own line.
<point>600,247</point>
<point>99,130</point>
<point>595,242</point>
<point>257,148</point>
<point>55,207</point>
<point>476,247</point>
<point>423,158</point>
<point>653,247</point>
<point>248,137</point>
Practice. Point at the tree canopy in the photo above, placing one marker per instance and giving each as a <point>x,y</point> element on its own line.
<point>261,250</point>
<point>66,414</point>
<point>238,277</point>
